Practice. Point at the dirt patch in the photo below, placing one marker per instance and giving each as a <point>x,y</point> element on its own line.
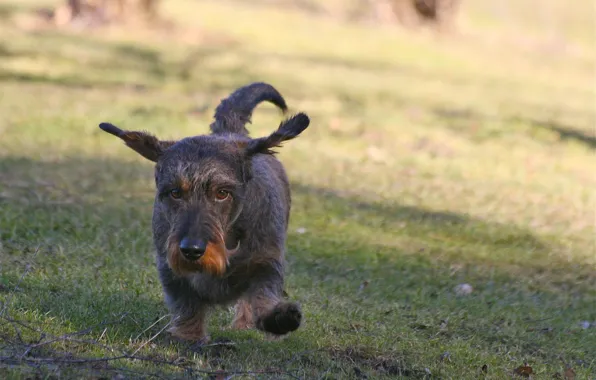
<point>382,364</point>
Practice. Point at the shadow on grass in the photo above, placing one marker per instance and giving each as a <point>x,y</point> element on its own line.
<point>567,133</point>
<point>89,61</point>
<point>460,227</point>
<point>102,64</point>
<point>105,64</point>
<point>71,81</point>
<point>89,219</point>
<point>472,123</point>
<point>122,59</point>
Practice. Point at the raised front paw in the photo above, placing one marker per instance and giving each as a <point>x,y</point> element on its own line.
<point>284,318</point>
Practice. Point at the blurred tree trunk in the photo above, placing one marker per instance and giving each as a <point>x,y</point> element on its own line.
<point>149,8</point>
<point>440,13</point>
<point>93,12</point>
<point>75,7</point>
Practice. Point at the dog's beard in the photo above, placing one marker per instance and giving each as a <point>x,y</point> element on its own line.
<point>214,261</point>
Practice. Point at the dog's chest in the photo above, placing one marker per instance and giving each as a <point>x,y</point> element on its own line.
<point>218,290</point>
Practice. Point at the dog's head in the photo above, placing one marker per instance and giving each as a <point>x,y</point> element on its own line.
<point>200,185</point>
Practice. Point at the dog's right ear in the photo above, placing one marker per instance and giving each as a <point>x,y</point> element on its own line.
<point>143,143</point>
<point>288,129</point>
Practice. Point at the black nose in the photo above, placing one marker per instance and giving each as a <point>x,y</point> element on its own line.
<point>192,249</point>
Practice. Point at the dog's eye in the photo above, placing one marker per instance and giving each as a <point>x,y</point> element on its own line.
<point>222,195</point>
<point>176,193</point>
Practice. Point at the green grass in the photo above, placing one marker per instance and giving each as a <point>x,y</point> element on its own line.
<point>429,163</point>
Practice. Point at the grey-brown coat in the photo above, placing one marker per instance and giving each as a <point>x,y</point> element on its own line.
<point>220,217</point>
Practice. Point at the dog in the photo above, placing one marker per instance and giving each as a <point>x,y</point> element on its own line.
<point>220,218</point>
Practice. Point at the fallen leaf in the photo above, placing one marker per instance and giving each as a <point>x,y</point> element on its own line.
<point>363,285</point>
<point>463,289</point>
<point>446,356</point>
<point>569,374</point>
<point>524,371</point>
<point>444,323</point>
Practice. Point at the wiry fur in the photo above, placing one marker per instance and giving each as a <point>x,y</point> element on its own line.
<point>228,190</point>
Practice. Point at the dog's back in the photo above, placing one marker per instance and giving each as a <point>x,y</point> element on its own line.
<point>271,187</point>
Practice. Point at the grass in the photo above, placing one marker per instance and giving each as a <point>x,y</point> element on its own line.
<point>428,164</point>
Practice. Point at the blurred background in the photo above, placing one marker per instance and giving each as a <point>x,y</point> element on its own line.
<point>443,195</point>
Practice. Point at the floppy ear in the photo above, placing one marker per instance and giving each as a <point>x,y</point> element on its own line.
<point>288,129</point>
<point>143,143</point>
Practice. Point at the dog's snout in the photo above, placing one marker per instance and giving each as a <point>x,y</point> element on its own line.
<point>192,249</point>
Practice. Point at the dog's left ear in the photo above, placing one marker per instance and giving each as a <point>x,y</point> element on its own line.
<point>288,129</point>
<point>143,143</point>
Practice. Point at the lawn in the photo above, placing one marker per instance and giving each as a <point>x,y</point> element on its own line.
<point>429,163</point>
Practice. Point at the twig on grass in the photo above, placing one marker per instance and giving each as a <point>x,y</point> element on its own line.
<point>66,337</point>
<point>153,324</point>
<point>16,360</point>
<point>27,358</point>
<point>153,337</point>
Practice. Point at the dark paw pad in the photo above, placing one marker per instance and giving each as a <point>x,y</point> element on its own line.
<point>284,318</point>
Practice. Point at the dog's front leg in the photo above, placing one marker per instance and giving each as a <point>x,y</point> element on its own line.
<point>242,315</point>
<point>189,313</point>
<point>189,324</point>
<point>270,313</point>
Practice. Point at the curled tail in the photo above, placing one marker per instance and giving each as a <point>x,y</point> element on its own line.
<point>232,114</point>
